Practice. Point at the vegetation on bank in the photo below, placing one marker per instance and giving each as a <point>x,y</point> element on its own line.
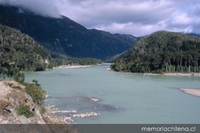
<point>80,61</point>
<point>85,61</point>
<point>25,110</point>
<point>33,89</point>
<point>36,92</point>
<point>19,52</point>
<point>161,52</point>
<point>34,95</point>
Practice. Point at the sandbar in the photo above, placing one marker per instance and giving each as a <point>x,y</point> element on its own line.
<point>72,66</point>
<point>182,74</point>
<point>174,74</point>
<point>195,92</point>
<point>94,99</point>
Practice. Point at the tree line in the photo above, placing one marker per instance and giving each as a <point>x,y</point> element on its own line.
<point>77,61</point>
<point>162,52</point>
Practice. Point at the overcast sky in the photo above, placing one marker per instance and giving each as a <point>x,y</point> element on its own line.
<point>135,17</point>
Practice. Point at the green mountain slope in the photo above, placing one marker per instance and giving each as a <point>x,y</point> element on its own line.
<point>62,36</point>
<point>20,52</point>
<point>160,52</point>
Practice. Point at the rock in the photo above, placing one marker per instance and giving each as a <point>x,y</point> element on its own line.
<point>94,99</point>
<point>68,119</point>
<point>3,104</point>
<point>1,118</point>
<point>39,117</point>
<point>82,115</point>
<point>8,109</point>
<point>32,120</point>
<point>23,119</point>
<point>16,85</point>
<point>11,120</point>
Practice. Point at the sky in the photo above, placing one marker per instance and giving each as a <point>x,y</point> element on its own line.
<point>135,17</point>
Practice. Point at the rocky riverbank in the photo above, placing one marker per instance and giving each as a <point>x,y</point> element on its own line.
<point>12,96</point>
<point>52,117</point>
<point>53,112</point>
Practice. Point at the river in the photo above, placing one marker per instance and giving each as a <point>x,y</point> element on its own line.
<point>124,98</point>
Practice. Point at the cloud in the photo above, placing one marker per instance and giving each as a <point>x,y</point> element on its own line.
<point>115,11</point>
<point>45,8</point>
<point>136,29</point>
<point>136,17</point>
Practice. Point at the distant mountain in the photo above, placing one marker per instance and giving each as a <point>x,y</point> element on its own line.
<point>160,52</point>
<point>19,52</point>
<point>64,36</point>
<point>194,34</point>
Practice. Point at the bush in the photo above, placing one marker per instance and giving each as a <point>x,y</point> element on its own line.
<point>24,110</point>
<point>19,77</point>
<point>37,94</point>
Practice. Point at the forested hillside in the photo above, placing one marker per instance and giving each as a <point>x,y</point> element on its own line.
<point>19,52</point>
<point>64,37</point>
<point>160,52</point>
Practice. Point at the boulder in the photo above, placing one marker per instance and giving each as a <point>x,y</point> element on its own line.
<point>22,119</point>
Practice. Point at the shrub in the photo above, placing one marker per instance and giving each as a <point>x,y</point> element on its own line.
<point>24,110</point>
<point>37,94</point>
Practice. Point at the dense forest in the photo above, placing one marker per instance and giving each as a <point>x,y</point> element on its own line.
<point>19,52</point>
<point>161,52</point>
<point>78,61</point>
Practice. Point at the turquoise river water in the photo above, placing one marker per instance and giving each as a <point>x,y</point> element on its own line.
<point>125,98</point>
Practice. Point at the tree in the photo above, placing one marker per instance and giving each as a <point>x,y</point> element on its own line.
<point>36,82</point>
<point>19,77</point>
<point>161,52</point>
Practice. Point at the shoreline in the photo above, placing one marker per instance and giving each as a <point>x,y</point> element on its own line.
<point>195,92</point>
<point>51,115</point>
<point>182,74</point>
<point>54,113</point>
<point>71,66</point>
<point>174,74</point>
<point>10,101</point>
<point>166,74</point>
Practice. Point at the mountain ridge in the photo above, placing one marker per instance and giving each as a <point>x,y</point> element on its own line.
<point>63,36</point>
